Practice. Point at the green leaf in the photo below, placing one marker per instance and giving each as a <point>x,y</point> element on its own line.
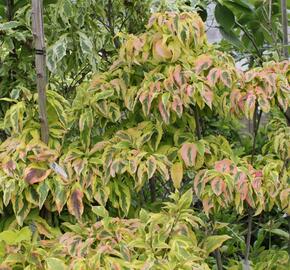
<point>280,232</point>
<point>100,211</point>
<point>231,37</point>
<point>8,25</point>
<point>214,242</point>
<point>12,237</point>
<point>85,43</point>
<point>224,16</point>
<point>55,264</point>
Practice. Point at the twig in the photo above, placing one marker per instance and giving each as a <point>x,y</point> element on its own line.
<point>256,124</point>
<point>152,187</point>
<point>218,259</point>
<point>248,240</point>
<point>250,37</point>
<point>197,122</point>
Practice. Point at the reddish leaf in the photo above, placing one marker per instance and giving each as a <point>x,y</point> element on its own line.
<point>203,62</point>
<point>75,203</point>
<point>218,186</point>
<point>34,174</point>
<point>250,104</point>
<point>8,167</point>
<point>162,50</point>
<point>188,153</point>
<point>242,185</point>
<point>199,182</point>
<point>213,76</point>
<point>207,205</point>
<point>207,95</point>
<point>225,166</point>
<point>177,105</point>
<point>78,165</point>
<point>177,75</point>
<point>163,108</point>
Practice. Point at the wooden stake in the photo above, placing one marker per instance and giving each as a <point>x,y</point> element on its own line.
<point>285,28</point>
<point>40,64</point>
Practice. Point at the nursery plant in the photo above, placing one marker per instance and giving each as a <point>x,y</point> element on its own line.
<point>148,166</point>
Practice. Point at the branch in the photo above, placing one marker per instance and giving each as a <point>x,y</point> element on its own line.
<point>250,37</point>
<point>197,122</point>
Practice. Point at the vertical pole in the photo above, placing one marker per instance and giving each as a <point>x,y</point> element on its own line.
<point>40,65</point>
<point>285,28</point>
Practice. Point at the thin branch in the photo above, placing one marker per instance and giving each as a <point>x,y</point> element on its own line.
<point>152,187</point>
<point>250,37</point>
<point>248,240</point>
<point>75,81</point>
<point>218,258</point>
<point>256,124</point>
<point>125,20</point>
<point>197,122</point>
<point>103,23</point>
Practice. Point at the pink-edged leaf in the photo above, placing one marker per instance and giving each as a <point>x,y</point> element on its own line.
<point>78,165</point>
<point>116,167</point>
<point>199,183</point>
<point>285,198</point>
<point>146,101</point>
<point>225,166</point>
<point>75,203</point>
<point>162,50</point>
<point>218,186</point>
<point>250,75</point>
<point>164,107</point>
<point>207,205</point>
<point>242,185</point>
<point>177,75</point>
<point>177,105</point>
<point>213,76</point>
<point>133,164</point>
<point>189,90</point>
<point>264,104</point>
<point>226,78</point>
<point>34,174</point>
<point>250,200</point>
<point>250,103</point>
<point>203,62</point>
<point>151,166</point>
<point>235,98</point>
<point>8,167</point>
<point>207,95</point>
<point>188,154</point>
<point>257,181</point>
<point>138,43</point>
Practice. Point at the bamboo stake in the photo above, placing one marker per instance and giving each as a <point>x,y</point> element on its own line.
<point>40,64</point>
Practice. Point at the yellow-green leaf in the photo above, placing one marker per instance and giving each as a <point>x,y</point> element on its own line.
<point>176,172</point>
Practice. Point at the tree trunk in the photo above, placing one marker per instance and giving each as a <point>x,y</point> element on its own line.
<point>40,64</point>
